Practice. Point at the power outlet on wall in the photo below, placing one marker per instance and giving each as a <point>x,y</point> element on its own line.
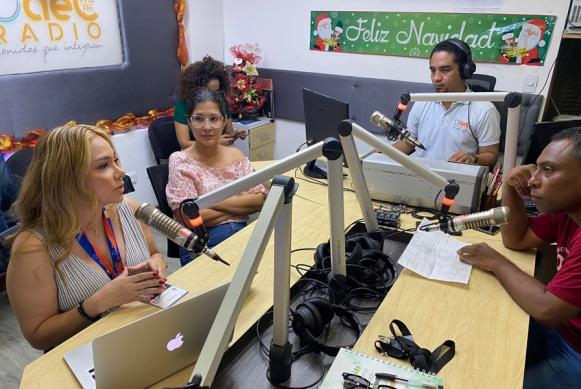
<point>529,83</point>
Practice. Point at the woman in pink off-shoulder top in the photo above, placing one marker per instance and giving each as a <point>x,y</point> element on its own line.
<point>207,165</point>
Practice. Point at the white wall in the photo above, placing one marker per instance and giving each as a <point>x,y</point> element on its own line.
<point>204,22</point>
<point>281,28</point>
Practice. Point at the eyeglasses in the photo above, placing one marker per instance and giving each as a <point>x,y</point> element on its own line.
<point>198,121</point>
<point>354,381</point>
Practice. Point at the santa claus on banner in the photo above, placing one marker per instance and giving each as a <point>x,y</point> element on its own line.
<point>323,31</point>
<point>531,37</point>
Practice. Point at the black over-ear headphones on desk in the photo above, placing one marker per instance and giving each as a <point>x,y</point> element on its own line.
<point>367,265</point>
<point>467,66</point>
<point>312,317</point>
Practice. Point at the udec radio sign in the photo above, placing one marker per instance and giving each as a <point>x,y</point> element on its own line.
<point>43,35</point>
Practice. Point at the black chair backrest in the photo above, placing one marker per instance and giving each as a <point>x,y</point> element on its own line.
<point>541,137</point>
<point>158,177</point>
<point>481,82</point>
<point>128,185</point>
<point>162,138</point>
<point>19,161</point>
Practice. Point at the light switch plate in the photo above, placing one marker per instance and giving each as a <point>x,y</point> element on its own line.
<point>529,83</point>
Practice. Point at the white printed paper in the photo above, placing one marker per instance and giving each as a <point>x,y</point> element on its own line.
<point>433,255</point>
<point>168,297</point>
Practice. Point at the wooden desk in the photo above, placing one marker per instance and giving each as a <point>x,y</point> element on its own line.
<point>489,329</point>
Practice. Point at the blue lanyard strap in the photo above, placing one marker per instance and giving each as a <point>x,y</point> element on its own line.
<point>96,254</point>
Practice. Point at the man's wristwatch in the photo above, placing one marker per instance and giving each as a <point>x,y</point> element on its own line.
<point>474,157</point>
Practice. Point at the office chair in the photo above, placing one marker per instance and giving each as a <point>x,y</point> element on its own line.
<point>5,254</point>
<point>162,138</point>
<point>158,176</point>
<point>19,161</point>
<point>128,185</point>
<point>481,82</point>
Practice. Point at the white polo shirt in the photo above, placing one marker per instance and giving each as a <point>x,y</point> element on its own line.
<point>444,132</point>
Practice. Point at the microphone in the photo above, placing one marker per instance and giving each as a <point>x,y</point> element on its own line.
<point>492,217</point>
<point>396,129</point>
<point>404,99</point>
<point>179,234</point>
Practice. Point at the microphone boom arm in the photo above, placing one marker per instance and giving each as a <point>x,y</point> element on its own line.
<point>347,129</point>
<point>278,206</point>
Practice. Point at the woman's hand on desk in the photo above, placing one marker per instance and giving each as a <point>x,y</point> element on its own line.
<point>125,288</point>
<point>155,264</point>
<point>481,255</point>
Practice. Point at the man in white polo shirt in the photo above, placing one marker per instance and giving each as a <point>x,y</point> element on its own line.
<point>467,132</point>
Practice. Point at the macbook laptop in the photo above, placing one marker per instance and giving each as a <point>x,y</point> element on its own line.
<point>150,349</point>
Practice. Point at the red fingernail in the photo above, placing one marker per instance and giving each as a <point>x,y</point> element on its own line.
<point>155,273</point>
<point>161,282</point>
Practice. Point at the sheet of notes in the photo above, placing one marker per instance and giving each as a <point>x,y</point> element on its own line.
<point>433,255</point>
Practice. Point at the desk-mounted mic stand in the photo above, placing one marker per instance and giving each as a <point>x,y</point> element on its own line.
<point>276,214</point>
<point>347,129</point>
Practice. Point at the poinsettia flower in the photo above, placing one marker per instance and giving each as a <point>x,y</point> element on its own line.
<point>241,84</point>
<point>250,69</point>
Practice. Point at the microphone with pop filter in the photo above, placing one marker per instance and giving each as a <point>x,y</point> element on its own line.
<point>394,129</point>
<point>492,217</point>
<point>177,233</point>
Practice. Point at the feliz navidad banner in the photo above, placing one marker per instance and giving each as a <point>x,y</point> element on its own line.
<point>517,39</point>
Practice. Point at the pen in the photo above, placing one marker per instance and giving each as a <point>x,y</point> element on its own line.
<point>421,384</point>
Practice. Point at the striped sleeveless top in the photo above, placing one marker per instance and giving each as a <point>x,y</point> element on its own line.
<point>77,280</point>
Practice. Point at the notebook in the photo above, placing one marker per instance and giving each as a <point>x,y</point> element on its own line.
<point>150,349</point>
<point>349,361</point>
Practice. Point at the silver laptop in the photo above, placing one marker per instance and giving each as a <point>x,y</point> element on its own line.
<point>150,349</point>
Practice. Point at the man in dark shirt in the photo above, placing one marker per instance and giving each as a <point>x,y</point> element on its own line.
<point>554,349</point>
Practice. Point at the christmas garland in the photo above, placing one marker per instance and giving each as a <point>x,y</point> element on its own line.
<point>9,143</point>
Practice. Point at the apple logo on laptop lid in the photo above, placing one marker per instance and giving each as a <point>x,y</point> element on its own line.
<point>175,343</point>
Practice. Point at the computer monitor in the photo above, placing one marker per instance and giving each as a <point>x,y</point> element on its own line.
<point>541,135</point>
<point>322,115</point>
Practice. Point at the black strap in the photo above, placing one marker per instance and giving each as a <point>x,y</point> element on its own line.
<point>403,346</point>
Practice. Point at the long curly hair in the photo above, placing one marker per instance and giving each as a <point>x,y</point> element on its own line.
<point>200,73</point>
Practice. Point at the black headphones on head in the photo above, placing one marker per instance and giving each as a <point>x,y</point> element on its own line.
<point>312,317</point>
<point>467,66</point>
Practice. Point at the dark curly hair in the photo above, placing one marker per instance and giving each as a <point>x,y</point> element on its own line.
<point>203,94</point>
<point>200,73</point>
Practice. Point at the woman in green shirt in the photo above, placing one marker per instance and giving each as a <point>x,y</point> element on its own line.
<point>208,73</point>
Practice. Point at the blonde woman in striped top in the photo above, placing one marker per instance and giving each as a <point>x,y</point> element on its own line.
<point>79,252</point>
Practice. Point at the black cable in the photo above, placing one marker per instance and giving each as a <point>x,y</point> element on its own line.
<point>303,249</point>
<point>300,146</point>
<point>266,353</point>
<point>319,379</point>
<point>537,95</point>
